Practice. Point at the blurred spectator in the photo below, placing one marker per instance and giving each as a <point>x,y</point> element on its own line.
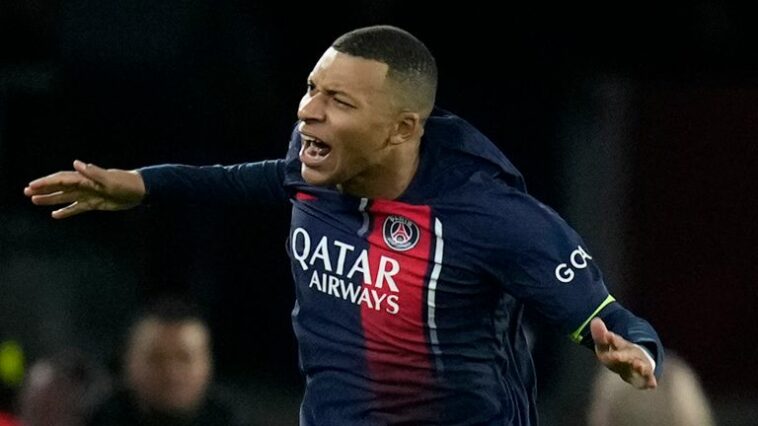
<point>63,390</point>
<point>679,400</point>
<point>168,371</point>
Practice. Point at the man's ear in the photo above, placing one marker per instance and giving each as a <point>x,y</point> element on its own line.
<point>408,127</point>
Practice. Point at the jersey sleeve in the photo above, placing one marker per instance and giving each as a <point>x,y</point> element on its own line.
<point>241,184</point>
<point>543,262</point>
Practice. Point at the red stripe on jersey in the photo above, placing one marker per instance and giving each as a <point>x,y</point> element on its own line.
<point>396,340</point>
<point>303,196</point>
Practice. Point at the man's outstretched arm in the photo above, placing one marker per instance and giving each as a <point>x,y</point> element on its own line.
<point>88,187</point>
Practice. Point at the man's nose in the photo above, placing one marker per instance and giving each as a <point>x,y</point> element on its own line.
<point>311,108</point>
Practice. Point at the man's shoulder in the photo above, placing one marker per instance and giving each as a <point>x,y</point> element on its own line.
<point>497,212</point>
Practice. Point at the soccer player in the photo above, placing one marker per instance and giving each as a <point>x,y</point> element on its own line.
<point>414,248</point>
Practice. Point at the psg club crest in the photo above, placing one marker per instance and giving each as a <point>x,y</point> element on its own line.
<point>400,233</point>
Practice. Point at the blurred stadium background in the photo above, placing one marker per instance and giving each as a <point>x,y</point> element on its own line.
<point>639,125</point>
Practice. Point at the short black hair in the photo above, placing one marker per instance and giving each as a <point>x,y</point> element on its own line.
<point>410,62</point>
<point>166,309</point>
<point>172,309</point>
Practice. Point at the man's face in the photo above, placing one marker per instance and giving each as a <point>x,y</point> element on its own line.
<point>168,365</point>
<point>346,119</point>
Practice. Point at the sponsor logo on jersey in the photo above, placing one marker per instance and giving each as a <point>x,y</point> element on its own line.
<point>400,234</point>
<point>341,270</point>
<point>577,259</point>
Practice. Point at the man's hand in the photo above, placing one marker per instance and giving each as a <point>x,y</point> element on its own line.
<point>87,188</point>
<point>622,357</point>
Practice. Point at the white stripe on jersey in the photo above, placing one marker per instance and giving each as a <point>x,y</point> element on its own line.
<point>431,294</point>
<point>362,208</point>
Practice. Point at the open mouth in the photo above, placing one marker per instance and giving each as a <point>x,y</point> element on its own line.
<point>313,150</point>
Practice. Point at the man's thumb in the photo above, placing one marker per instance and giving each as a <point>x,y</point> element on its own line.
<point>599,331</point>
<point>90,171</point>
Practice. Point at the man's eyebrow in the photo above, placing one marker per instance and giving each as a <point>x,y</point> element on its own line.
<point>339,92</point>
<point>332,92</point>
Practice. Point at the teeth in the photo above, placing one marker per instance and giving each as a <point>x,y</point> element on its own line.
<point>314,145</point>
<point>309,140</point>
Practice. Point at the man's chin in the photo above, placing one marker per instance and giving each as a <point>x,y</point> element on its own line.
<point>316,178</point>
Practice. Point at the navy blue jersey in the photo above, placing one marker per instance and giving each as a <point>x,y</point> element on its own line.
<point>408,311</point>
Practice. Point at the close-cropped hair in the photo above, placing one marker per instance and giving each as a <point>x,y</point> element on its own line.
<point>411,64</point>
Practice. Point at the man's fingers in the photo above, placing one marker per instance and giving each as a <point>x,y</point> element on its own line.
<point>640,367</point>
<point>55,182</point>
<point>55,179</point>
<point>71,210</point>
<point>88,187</point>
<point>641,375</point>
<point>54,198</point>
<point>622,357</point>
<point>87,175</point>
<point>644,368</point>
<point>627,363</point>
<point>652,382</point>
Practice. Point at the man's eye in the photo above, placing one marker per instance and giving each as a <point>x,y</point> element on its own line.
<point>343,103</point>
<point>310,86</point>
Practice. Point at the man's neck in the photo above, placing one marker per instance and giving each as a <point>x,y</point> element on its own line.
<point>387,181</point>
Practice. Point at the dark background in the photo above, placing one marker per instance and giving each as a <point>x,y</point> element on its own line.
<point>638,125</point>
